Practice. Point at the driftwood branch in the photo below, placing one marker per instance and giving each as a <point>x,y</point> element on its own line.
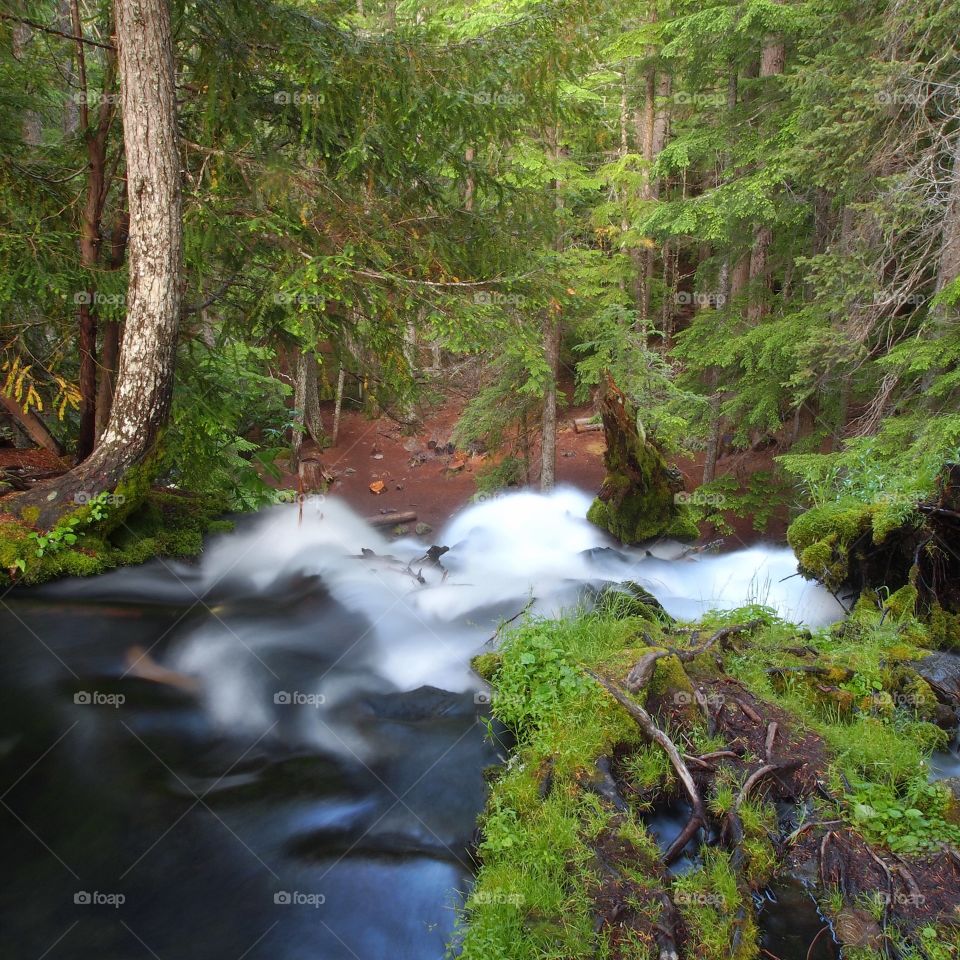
<point>690,653</point>
<point>698,817</point>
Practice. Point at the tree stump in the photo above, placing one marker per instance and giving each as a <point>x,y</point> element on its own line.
<point>638,500</point>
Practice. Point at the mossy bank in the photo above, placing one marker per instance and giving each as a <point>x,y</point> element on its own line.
<point>808,750</point>
<point>129,526</point>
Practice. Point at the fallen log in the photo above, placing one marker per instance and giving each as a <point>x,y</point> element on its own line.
<point>586,425</point>
<point>392,519</point>
<point>31,425</point>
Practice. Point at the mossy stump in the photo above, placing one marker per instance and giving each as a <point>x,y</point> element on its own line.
<point>637,501</point>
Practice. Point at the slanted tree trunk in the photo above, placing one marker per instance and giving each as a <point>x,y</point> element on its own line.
<point>31,425</point>
<point>638,499</point>
<point>145,379</point>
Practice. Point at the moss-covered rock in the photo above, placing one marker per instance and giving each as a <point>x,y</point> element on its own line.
<point>637,501</point>
<point>892,542</point>
<point>627,599</point>
<point>825,538</point>
<point>117,530</point>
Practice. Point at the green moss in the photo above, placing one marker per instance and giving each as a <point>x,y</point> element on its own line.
<point>709,901</point>
<point>534,895</point>
<point>628,599</point>
<point>823,538</point>
<point>944,628</point>
<point>126,532</point>
<point>670,680</point>
<point>486,665</point>
<point>903,602</point>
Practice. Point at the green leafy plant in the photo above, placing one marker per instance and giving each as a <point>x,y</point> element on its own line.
<point>910,820</point>
<point>60,537</point>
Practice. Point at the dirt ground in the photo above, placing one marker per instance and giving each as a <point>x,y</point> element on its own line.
<point>419,474</point>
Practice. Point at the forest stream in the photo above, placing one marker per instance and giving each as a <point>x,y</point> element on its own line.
<point>280,750</point>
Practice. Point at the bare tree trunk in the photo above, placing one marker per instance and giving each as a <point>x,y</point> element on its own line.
<point>471,184</point>
<point>949,266</point>
<point>110,339</point>
<point>109,357</point>
<point>548,450</point>
<point>145,380</point>
<point>31,129</point>
<point>95,138</point>
<point>307,401</point>
<point>551,348</point>
<point>338,406</point>
<point>772,62</point>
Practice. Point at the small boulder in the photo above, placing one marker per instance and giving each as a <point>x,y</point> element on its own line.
<point>942,671</point>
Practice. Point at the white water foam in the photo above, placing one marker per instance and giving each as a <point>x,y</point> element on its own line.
<point>426,621</point>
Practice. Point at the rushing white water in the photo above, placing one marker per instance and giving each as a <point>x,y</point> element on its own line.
<point>425,621</point>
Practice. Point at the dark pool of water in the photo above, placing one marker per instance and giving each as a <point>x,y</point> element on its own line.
<point>791,927</point>
<point>137,824</point>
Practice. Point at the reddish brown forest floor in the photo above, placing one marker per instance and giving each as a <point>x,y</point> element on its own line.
<point>436,484</point>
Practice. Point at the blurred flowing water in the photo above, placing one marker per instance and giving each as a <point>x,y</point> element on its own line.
<point>279,752</point>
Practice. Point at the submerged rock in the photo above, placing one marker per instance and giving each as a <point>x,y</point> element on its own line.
<point>637,501</point>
